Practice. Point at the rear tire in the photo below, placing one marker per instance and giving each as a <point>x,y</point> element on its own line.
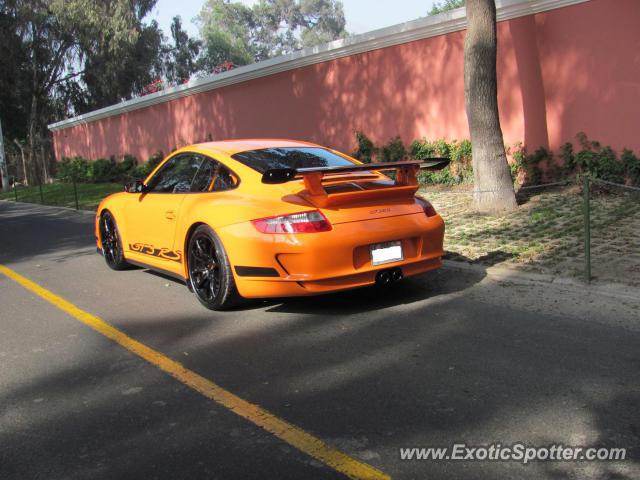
<point>210,275</point>
<point>111,242</point>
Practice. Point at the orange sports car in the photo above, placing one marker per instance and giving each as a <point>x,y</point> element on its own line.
<point>271,218</point>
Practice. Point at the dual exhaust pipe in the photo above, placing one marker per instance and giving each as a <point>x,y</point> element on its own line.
<point>389,276</point>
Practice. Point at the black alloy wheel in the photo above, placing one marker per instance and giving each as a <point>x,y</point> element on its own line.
<point>111,243</point>
<point>210,275</point>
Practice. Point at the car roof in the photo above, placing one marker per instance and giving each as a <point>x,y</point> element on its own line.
<point>231,147</point>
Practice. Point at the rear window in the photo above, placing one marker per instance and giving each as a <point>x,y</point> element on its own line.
<point>290,157</point>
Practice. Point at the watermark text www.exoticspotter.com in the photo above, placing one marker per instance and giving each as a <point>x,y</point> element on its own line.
<point>517,452</point>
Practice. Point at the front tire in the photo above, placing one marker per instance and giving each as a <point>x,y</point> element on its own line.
<point>112,250</point>
<point>210,275</point>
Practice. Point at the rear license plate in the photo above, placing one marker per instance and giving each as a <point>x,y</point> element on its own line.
<point>386,252</point>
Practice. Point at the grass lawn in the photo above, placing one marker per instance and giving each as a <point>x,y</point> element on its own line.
<point>546,233</point>
<point>62,194</point>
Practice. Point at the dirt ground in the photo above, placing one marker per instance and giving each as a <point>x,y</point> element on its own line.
<point>546,233</point>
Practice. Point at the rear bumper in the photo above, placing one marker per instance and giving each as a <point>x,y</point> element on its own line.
<point>309,264</point>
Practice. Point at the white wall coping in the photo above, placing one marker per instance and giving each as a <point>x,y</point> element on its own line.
<point>421,28</point>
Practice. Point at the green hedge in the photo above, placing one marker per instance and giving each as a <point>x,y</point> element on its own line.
<point>592,158</point>
<point>458,171</point>
<point>532,168</point>
<point>105,170</point>
<point>540,166</point>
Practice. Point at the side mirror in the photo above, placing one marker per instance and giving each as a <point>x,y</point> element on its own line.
<point>135,187</point>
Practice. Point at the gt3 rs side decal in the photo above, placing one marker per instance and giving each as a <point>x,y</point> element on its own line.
<point>166,253</point>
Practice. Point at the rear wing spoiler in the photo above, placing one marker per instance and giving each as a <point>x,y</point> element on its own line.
<point>406,182</point>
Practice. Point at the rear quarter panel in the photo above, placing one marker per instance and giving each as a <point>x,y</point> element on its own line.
<point>221,209</point>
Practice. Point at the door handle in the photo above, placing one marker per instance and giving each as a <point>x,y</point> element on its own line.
<point>170,215</point>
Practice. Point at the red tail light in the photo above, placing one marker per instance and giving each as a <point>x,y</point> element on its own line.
<point>429,211</point>
<point>303,222</point>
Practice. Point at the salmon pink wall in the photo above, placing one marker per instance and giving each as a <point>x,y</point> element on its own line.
<point>563,71</point>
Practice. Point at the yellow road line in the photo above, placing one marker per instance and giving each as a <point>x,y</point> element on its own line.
<point>282,429</point>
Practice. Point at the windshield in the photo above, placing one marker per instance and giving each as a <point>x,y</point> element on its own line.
<point>290,157</point>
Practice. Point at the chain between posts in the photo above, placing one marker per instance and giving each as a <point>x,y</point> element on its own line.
<point>605,182</point>
<point>528,187</point>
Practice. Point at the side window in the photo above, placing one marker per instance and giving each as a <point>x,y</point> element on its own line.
<point>203,178</point>
<point>225,180</point>
<point>176,175</point>
<point>213,176</point>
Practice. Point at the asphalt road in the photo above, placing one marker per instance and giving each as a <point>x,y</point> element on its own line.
<point>440,359</point>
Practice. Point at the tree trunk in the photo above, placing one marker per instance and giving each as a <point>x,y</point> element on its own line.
<point>3,164</point>
<point>493,186</point>
<point>33,111</point>
<point>45,163</point>
<point>33,120</point>
<point>25,179</point>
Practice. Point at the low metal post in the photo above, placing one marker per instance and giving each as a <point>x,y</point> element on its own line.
<point>587,229</point>
<point>75,193</point>
<point>15,190</point>
<point>41,194</point>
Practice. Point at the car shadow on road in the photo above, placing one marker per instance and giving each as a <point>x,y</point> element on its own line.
<point>373,298</point>
<point>358,300</point>
<point>406,292</point>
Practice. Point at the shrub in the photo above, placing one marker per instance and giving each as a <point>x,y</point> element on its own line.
<point>366,149</point>
<point>72,168</point>
<point>587,158</point>
<point>542,165</point>
<point>631,166</point>
<point>442,177</point>
<point>532,164</point>
<point>460,168</point>
<point>393,151</point>
<point>599,162</point>
<point>141,171</point>
<point>421,149</point>
<point>518,153</point>
<point>608,167</point>
<point>62,169</point>
<point>461,152</point>
<point>128,163</point>
<point>568,159</point>
<point>97,171</point>
<point>461,161</point>
<point>102,170</point>
<point>155,159</point>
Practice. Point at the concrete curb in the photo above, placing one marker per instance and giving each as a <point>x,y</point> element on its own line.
<point>611,289</point>
<point>53,207</point>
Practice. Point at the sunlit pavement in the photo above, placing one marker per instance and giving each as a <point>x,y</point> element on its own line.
<point>440,359</point>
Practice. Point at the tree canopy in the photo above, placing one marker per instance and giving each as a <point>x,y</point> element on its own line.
<point>182,56</point>
<point>243,34</point>
<point>48,47</point>
<point>445,6</point>
<point>67,57</point>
